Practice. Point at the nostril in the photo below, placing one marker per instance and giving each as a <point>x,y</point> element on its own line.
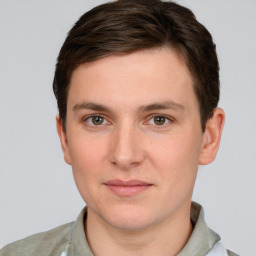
<point>125,165</point>
<point>134,164</point>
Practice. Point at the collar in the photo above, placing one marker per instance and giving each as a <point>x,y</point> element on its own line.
<point>200,242</point>
<point>202,238</point>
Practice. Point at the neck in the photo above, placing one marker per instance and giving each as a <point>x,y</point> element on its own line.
<point>166,238</point>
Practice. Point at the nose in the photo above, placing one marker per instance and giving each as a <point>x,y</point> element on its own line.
<point>126,151</point>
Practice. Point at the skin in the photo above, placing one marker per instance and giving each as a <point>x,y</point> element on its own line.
<point>135,117</point>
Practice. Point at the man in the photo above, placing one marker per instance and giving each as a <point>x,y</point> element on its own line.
<point>137,87</point>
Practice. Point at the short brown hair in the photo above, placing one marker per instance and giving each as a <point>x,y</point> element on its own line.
<point>126,26</point>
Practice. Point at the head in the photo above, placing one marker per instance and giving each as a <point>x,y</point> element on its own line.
<point>137,88</point>
<point>129,26</point>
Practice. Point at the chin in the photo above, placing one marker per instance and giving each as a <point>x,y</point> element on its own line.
<point>130,224</point>
<point>129,218</point>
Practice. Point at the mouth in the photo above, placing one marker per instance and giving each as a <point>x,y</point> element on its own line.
<point>127,188</point>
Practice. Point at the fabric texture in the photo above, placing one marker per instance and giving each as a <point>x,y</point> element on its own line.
<point>70,240</point>
<point>217,250</point>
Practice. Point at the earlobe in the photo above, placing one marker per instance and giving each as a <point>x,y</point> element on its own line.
<point>63,140</point>
<point>212,137</point>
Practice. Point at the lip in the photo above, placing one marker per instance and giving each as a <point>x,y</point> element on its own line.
<point>127,188</point>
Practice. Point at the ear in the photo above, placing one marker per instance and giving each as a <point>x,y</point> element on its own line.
<point>212,137</point>
<point>63,140</point>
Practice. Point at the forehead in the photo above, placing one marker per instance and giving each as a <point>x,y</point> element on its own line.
<point>139,77</point>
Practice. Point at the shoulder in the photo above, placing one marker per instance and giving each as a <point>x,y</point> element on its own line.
<point>231,253</point>
<point>51,242</point>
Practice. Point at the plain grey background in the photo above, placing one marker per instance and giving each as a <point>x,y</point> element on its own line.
<point>37,191</point>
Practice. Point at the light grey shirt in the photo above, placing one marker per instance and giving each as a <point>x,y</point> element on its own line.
<point>71,240</point>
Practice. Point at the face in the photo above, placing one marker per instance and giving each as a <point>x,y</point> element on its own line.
<point>133,137</point>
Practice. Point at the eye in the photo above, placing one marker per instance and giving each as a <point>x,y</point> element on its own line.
<point>159,120</point>
<point>96,120</point>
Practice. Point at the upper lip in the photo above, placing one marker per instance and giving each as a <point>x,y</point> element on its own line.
<point>126,183</point>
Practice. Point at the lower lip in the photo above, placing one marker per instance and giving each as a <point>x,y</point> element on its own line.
<point>128,190</point>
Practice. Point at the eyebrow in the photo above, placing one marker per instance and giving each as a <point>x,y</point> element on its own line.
<point>162,105</point>
<point>151,107</point>
<point>91,106</point>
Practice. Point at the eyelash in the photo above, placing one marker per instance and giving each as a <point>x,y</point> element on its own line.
<point>168,120</point>
<point>85,119</point>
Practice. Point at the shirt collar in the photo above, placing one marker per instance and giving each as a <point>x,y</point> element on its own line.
<point>200,242</point>
<point>202,238</point>
<point>78,245</point>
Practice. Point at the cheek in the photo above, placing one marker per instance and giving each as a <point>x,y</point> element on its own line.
<point>87,158</point>
<point>176,158</point>
<point>86,164</point>
<point>86,150</point>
